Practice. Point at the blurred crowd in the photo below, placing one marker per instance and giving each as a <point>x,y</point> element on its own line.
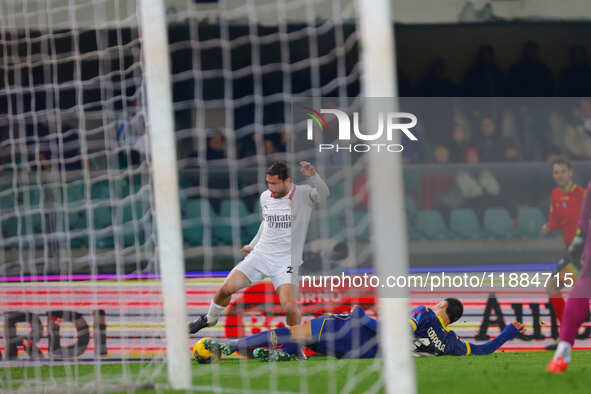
<point>524,113</point>
<point>538,118</point>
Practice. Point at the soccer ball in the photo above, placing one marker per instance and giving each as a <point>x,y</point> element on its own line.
<point>202,355</point>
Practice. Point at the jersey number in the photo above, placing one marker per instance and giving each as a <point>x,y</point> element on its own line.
<point>290,269</point>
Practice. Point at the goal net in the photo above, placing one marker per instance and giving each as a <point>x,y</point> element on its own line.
<point>80,269</point>
<point>78,243</point>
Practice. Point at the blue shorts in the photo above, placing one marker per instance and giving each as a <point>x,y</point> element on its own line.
<point>343,336</point>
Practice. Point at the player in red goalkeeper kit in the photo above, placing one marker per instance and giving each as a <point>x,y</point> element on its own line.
<point>565,209</point>
<point>577,305</point>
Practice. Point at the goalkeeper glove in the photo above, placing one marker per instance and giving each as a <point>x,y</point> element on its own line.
<point>575,250</point>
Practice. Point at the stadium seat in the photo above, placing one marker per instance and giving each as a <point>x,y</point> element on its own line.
<point>137,182</point>
<point>76,209</point>
<point>412,181</point>
<point>410,205</point>
<point>188,180</point>
<point>431,225</point>
<point>337,191</point>
<point>336,223</point>
<point>464,223</point>
<point>76,192</point>
<point>222,229</point>
<point>411,231</point>
<point>498,223</point>
<point>9,226</point>
<point>193,220</point>
<point>135,211</point>
<point>102,224</point>
<point>32,223</point>
<point>128,232</point>
<point>362,229</point>
<point>7,202</point>
<point>77,218</point>
<point>257,209</point>
<point>105,238</point>
<point>252,223</point>
<point>102,217</point>
<point>530,221</point>
<point>35,197</point>
<point>100,190</point>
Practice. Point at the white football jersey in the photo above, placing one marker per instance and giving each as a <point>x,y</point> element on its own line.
<point>282,233</point>
<point>275,239</point>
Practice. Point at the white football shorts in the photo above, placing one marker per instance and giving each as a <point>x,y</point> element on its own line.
<point>257,266</point>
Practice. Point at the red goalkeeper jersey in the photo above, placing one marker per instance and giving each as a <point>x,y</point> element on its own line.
<point>565,209</point>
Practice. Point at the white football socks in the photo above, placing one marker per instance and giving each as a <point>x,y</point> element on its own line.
<point>563,350</point>
<point>214,313</point>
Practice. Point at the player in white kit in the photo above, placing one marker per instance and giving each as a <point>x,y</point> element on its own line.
<point>276,250</point>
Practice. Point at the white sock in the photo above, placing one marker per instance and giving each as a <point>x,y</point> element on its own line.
<point>563,350</point>
<point>214,313</point>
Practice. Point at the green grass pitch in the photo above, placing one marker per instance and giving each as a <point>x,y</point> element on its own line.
<point>521,372</point>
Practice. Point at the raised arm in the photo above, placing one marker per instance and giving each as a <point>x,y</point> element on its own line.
<point>320,191</point>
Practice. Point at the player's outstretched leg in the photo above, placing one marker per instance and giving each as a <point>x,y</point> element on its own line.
<point>266,354</point>
<point>219,346</point>
<point>234,282</point>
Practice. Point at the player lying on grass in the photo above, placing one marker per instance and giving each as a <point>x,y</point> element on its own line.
<point>354,335</point>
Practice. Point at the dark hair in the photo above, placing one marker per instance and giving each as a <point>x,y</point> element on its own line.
<point>454,309</point>
<point>280,169</point>
<point>562,161</point>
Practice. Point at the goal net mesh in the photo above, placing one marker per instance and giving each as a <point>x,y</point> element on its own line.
<point>79,266</point>
<point>76,204</point>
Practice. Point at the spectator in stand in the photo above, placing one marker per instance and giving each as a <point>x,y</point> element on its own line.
<point>436,82</point>
<point>274,142</point>
<point>53,144</point>
<point>575,79</point>
<point>552,154</point>
<point>489,145</point>
<point>438,114</point>
<point>246,146</point>
<point>478,188</point>
<point>530,77</point>
<point>269,147</point>
<point>405,88</point>
<point>512,153</point>
<point>129,140</point>
<point>458,145</point>
<point>484,78</point>
<point>416,151</point>
<point>577,136</point>
<point>438,189</point>
<point>216,147</point>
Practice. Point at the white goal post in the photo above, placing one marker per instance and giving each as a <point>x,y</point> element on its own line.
<point>387,205</point>
<point>166,194</point>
